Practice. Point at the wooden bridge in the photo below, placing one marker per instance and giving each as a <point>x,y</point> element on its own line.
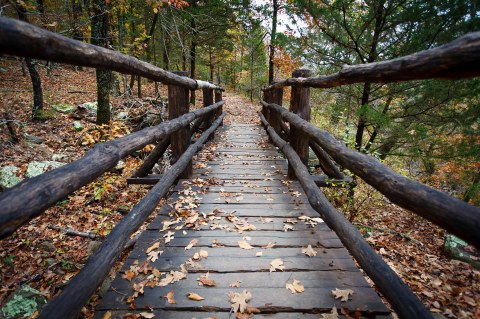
<point>246,229</point>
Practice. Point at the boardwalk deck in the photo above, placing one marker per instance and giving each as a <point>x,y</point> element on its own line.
<point>241,178</point>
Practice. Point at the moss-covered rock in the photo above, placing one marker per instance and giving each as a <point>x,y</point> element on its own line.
<point>22,303</point>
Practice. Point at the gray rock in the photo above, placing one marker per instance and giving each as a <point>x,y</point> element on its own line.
<point>77,125</point>
<point>93,246</point>
<point>454,247</point>
<point>122,116</point>
<point>37,168</point>
<point>8,177</point>
<point>312,158</point>
<point>63,108</point>
<point>90,106</point>
<point>104,287</point>
<point>22,303</point>
<point>60,158</point>
<point>34,139</point>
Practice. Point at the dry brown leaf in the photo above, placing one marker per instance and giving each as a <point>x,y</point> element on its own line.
<point>244,244</point>
<point>194,296</point>
<point>153,255</point>
<point>270,244</point>
<point>332,315</point>
<point>128,275</point>
<point>295,287</point>
<point>192,243</point>
<point>287,227</point>
<point>107,315</point>
<point>309,251</point>
<point>168,236</point>
<point>342,293</point>
<point>235,284</point>
<point>239,300</point>
<point>146,315</point>
<point>259,254</point>
<point>205,281</point>
<point>169,297</point>
<point>154,246</point>
<point>276,264</point>
<point>203,253</point>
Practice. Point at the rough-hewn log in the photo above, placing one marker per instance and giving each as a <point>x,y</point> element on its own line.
<point>457,59</point>
<point>196,126</point>
<point>452,214</point>
<point>152,158</point>
<point>32,196</point>
<point>405,303</point>
<point>299,104</point>
<point>208,100</point>
<point>326,181</point>
<point>71,300</point>
<point>18,38</point>
<point>218,98</point>
<point>177,106</point>
<point>150,179</point>
<point>327,165</point>
<point>275,118</point>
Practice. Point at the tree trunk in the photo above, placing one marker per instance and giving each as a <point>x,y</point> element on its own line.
<point>193,49</point>
<point>272,41</point>
<point>101,37</point>
<point>37,109</point>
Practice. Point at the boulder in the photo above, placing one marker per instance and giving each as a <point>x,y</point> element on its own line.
<point>63,108</point>
<point>22,303</point>
<point>459,249</point>
<point>122,116</point>
<point>8,177</point>
<point>60,157</point>
<point>90,106</point>
<point>37,168</point>
<point>77,125</point>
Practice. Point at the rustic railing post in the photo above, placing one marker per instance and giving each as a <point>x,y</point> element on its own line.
<point>180,139</point>
<point>218,98</point>
<point>300,105</point>
<point>275,118</point>
<point>209,118</point>
<point>267,98</point>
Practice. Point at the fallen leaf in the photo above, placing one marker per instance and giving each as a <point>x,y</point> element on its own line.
<point>259,254</point>
<point>169,297</point>
<point>154,246</point>
<point>146,315</point>
<point>287,227</point>
<point>205,281</point>
<point>332,315</point>
<point>342,293</point>
<point>244,244</point>
<point>192,243</point>
<point>239,300</point>
<point>235,284</point>
<point>153,255</point>
<point>107,315</point>
<point>168,236</point>
<point>309,251</point>
<point>295,287</point>
<point>194,296</point>
<point>276,264</point>
<point>203,253</point>
<point>128,275</point>
<point>270,244</point>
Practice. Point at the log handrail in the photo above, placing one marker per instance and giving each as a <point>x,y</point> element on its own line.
<point>18,38</point>
<point>452,214</point>
<point>72,298</point>
<point>457,59</point>
<point>405,303</point>
<point>32,196</point>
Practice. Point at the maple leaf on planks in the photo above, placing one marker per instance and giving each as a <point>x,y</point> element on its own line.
<point>169,297</point>
<point>244,244</point>
<point>287,227</point>
<point>128,275</point>
<point>107,315</point>
<point>342,293</point>
<point>192,243</point>
<point>169,236</point>
<point>205,281</point>
<point>194,296</point>
<point>295,287</point>
<point>332,315</point>
<point>239,300</point>
<point>276,264</point>
<point>153,247</point>
<point>309,251</point>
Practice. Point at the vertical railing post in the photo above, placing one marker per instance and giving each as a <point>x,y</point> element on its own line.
<point>300,105</point>
<point>207,101</point>
<point>218,98</point>
<point>180,139</point>
<point>267,97</point>
<point>275,117</point>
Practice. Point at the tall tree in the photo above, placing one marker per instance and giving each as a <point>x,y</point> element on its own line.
<point>101,36</point>
<point>273,34</point>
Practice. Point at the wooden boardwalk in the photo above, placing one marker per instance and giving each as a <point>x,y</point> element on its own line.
<point>239,193</point>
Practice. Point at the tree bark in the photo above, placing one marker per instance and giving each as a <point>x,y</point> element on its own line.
<point>193,53</point>
<point>272,42</point>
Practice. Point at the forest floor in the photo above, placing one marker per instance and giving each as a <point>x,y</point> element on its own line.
<point>45,258</point>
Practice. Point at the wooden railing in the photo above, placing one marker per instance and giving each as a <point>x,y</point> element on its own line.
<point>458,59</point>
<point>33,196</point>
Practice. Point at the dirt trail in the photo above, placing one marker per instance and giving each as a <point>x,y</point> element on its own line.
<point>240,110</point>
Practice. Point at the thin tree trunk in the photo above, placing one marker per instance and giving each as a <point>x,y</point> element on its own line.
<point>272,42</point>
<point>193,49</point>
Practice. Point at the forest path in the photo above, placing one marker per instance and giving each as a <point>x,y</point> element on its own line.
<point>239,109</point>
<point>238,234</point>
